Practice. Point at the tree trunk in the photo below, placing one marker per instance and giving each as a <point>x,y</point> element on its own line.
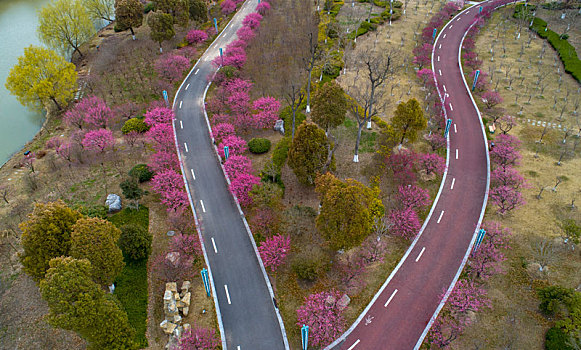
<point>356,156</point>
<point>293,127</point>
<point>58,106</point>
<point>132,32</point>
<point>77,50</point>
<point>309,92</point>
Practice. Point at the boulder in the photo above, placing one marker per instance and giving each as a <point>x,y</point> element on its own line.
<point>172,287</point>
<point>180,304</point>
<point>279,126</point>
<point>186,298</point>
<point>163,324</point>
<point>187,327</point>
<point>167,296</point>
<point>344,301</point>
<point>177,319</point>
<point>170,328</point>
<point>186,286</point>
<point>114,202</point>
<point>173,258</point>
<point>185,310</point>
<point>330,301</point>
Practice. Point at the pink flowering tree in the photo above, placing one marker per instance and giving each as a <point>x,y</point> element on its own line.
<point>252,20</point>
<point>163,160</point>
<point>405,223</point>
<point>491,98</point>
<point>423,55</point>
<point>222,130</point>
<point>236,146</point>
<point>437,141</point>
<point>245,34</point>
<point>236,60</point>
<point>91,111</point>
<point>65,151</point>
<point>169,185</point>
<point>236,165</point>
<point>75,117</point>
<point>412,196</point>
<point>237,85</point>
<point>265,221</point>
<point>199,338</point>
<point>432,163</point>
<point>274,250</point>
<point>482,82</point>
<point>486,261</point>
<point>505,152</point>
<point>161,137</point>
<point>426,76</point>
<point>159,115</point>
<point>241,186</point>
<point>401,164</point>
<point>506,176</point>
<point>54,142</point>
<point>196,36</point>
<point>172,67</point>
<point>267,114</point>
<point>506,123</point>
<point>471,59</point>
<point>228,6</point>
<point>98,140</point>
<point>263,7</point>
<point>373,249</point>
<point>324,317</point>
<point>506,199</point>
<point>187,245</point>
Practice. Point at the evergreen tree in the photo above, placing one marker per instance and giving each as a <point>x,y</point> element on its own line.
<point>408,120</point>
<point>329,106</point>
<point>310,153</point>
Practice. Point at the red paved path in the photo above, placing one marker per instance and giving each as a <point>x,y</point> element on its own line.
<point>446,237</point>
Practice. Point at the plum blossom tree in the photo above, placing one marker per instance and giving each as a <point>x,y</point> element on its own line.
<point>187,245</point>
<point>65,151</point>
<point>432,163</point>
<point>274,250</point>
<point>161,136</point>
<point>506,199</point>
<point>506,123</point>
<point>437,141</point>
<point>423,54</point>
<point>228,6</point>
<point>169,185</point>
<point>482,82</point>
<point>412,196</point>
<point>235,60</point>
<point>245,34</point>
<point>405,223</point>
<point>427,76</point>
<point>505,152</point>
<point>159,115</point>
<point>263,7</point>
<point>491,98</point>
<point>98,140</point>
<point>54,142</point>
<point>172,67</point>
<point>222,130</point>
<point>267,114</point>
<point>236,165</point>
<point>91,111</point>
<point>401,164</point>
<point>506,177</point>
<point>324,317</point>
<point>486,260</point>
<point>236,146</point>
<point>252,20</point>
<point>196,36</point>
<point>199,338</point>
<point>163,160</point>
<point>241,185</point>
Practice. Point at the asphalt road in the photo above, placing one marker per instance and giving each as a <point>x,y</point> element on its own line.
<point>247,310</point>
<point>399,316</point>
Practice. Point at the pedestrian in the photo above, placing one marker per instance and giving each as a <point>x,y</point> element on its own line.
<point>491,146</point>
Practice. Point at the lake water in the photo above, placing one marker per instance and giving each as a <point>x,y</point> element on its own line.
<point>18,23</point>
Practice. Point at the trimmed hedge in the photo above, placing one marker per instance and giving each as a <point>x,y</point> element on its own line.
<point>141,172</point>
<point>134,124</point>
<point>259,145</point>
<point>280,153</point>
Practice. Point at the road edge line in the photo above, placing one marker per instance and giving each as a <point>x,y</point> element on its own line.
<point>465,259</point>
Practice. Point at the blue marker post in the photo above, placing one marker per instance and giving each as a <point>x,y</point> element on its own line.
<point>206,281</point>
<point>305,336</point>
<point>475,79</point>
<point>221,57</point>
<point>448,124</point>
<point>479,238</point>
<point>480,9</point>
<point>166,98</point>
<point>434,33</point>
<point>216,25</point>
<point>226,152</point>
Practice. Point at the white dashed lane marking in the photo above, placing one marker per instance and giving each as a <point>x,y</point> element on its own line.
<point>193,175</point>
<point>202,204</point>
<point>440,218</point>
<point>453,182</point>
<point>420,255</point>
<point>227,294</point>
<point>214,244</point>
<point>186,146</point>
<point>391,297</point>
<point>354,344</point>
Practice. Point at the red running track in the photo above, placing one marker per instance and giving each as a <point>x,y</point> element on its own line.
<point>400,315</point>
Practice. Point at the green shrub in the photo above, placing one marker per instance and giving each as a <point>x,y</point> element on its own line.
<point>95,211</point>
<point>286,114</point>
<point>259,145</point>
<point>135,242</point>
<point>141,172</point>
<point>557,339</point>
<point>134,124</point>
<point>310,263</point>
<point>379,122</point>
<point>280,153</point>
<point>116,29</point>
<point>150,6</point>
<point>397,4</point>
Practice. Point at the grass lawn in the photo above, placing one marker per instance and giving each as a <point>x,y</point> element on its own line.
<point>131,284</point>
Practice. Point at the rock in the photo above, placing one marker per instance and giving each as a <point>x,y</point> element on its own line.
<point>114,202</point>
<point>172,287</point>
<point>344,301</point>
<point>170,327</point>
<point>176,296</point>
<point>186,286</point>
<point>180,304</point>
<point>186,298</point>
<point>173,258</point>
<point>163,324</point>
<point>186,310</point>
<point>330,301</point>
<point>171,233</point>
<point>177,319</point>
<point>279,126</point>
<point>171,308</point>
<point>187,327</point>
<point>167,296</point>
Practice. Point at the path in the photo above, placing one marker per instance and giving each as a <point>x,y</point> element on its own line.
<point>244,303</point>
<point>400,314</point>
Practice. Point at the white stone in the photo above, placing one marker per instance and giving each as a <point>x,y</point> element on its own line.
<point>114,202</point>
<point>167,295</point>
<point>186,310</point>
<point>186,298</point>
<point>171,286</point>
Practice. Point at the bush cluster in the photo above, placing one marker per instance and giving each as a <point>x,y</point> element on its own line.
<point>259,145</point>
<point>286,114</point>
<point>135,242</point>
<point>134,124</point>
<point>310,263</point>
<point>141,172</point>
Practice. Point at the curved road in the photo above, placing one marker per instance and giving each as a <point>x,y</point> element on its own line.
<point>247,315</point>
<point>401,313</point>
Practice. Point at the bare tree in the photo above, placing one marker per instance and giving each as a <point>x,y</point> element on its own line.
<point>294,96</point>
<point>309,63</point>
<point>544,252</point>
